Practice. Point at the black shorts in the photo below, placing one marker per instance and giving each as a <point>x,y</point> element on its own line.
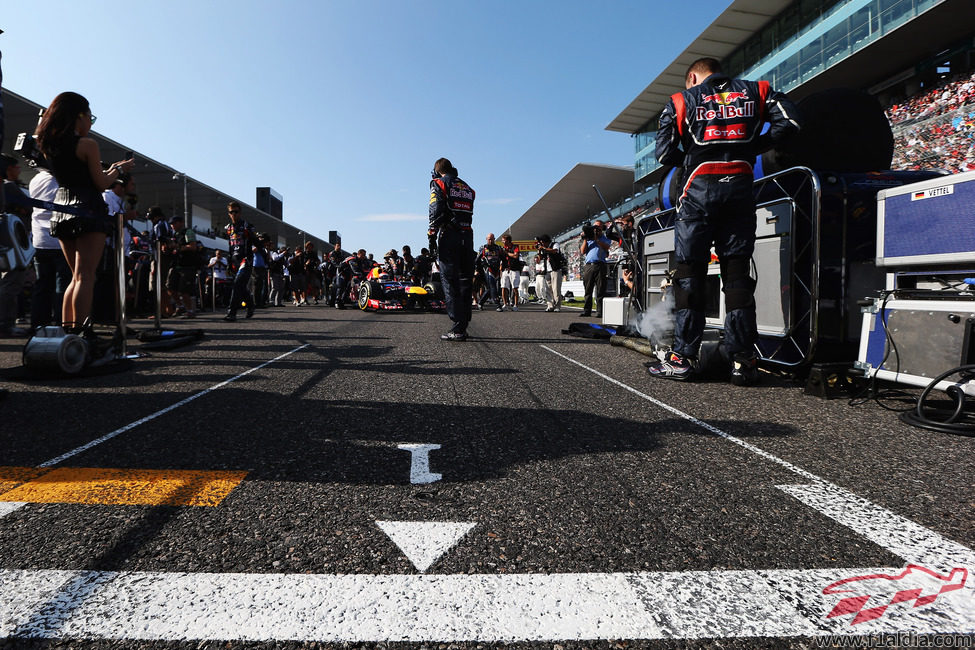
<point>72,226</point>
<point>182,280</point>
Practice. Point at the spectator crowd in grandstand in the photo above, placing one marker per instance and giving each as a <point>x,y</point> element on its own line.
<point>936,128</point>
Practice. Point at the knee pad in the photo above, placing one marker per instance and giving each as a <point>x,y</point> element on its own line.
<point>739,287</point>
<point>690,289</point>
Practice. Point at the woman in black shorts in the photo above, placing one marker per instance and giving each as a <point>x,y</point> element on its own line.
<point>75,162</point>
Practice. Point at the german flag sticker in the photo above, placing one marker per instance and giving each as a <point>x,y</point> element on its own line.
<point>944,190</point>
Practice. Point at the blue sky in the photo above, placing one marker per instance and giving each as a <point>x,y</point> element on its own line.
<point>342,106</point>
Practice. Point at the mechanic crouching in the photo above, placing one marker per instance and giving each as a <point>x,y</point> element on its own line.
<point>713,130</point>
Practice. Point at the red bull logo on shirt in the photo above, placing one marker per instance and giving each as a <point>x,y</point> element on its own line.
<point>725,98</point>
<point>726,111</point>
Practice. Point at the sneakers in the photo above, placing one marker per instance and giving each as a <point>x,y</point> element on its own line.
<point>556,309</point>
<point>514,307</point>
<point>454,336</point>
<point>500,308</point>
<point>230,318</point>
<point>550,309</point>
<point>674,366</point>
<point>744,372</point>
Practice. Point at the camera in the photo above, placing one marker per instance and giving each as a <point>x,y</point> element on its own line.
<point>27,147</point>
<point>589,231</point>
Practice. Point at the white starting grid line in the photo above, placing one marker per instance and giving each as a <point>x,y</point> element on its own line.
<point>493,608</point>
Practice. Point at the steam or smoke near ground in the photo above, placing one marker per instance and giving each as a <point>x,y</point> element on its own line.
<point>656,323</point>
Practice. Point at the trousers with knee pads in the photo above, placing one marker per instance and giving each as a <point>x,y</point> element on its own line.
<point>716,210</point>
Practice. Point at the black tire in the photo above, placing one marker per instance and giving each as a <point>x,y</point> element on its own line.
<point>435,289</point>
<point>365,291</point>
<point>843,130</point>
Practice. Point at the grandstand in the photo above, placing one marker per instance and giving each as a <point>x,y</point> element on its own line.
<point>936,127</point>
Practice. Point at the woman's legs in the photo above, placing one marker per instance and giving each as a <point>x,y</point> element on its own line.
<point>83,255</point>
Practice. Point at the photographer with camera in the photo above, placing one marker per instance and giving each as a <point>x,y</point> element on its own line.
<point>50,267</point>
<point>511,266</point>
<point>489,261</point>
<point>552,262</point>
<point>595,251</point>
<point>12,281</point>
<point>75,162</point>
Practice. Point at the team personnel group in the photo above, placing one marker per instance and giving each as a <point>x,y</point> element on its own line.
<point>711,132</point>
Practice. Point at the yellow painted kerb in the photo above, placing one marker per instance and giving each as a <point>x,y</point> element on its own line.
<point>139,487</point>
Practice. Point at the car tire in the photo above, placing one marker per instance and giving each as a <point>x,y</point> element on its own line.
<point>365,291</point>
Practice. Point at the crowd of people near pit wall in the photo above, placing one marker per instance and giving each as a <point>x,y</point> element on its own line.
<point>936,128</point>
<point>280,276</point>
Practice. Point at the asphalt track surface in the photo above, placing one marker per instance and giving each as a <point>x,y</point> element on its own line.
<point>573,501</point>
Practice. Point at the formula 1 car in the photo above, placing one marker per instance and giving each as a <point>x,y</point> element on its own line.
<point>381,292</point>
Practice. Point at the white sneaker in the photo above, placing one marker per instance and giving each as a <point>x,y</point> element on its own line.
<point>556,309</point>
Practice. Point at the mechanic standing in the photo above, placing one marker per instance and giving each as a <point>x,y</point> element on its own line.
<point>451,214</point>
<point>713,130</point>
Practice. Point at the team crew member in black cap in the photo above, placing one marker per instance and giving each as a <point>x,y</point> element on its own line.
<point>713,130</point>
<point>451,214</point>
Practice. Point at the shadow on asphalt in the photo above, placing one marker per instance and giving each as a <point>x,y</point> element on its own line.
<point>356,442</point>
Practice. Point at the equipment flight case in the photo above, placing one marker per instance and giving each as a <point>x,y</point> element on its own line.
<point>924,326</point>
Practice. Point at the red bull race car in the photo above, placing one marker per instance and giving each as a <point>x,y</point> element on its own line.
<point>381,292</point>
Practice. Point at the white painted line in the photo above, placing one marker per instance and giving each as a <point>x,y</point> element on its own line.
<point>898,535</point>
<point>127,427</point>
<point>423,542</point>
<point>690,418</point>
<point>901,536</point>
<point>448,608</point>
<point>420,473</point>
<point>7,508</point>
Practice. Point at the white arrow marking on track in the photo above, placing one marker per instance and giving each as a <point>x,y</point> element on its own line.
<point>423,542</point>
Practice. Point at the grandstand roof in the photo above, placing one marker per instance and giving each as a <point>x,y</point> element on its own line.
<point>732,28</point>
<point>573,199</point>
<point>918,39</point>
<point>155,182</point>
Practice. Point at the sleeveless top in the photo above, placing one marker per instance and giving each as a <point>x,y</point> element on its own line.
<point>75,180</point>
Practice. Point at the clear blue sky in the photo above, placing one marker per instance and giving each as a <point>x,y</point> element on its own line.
<point>342,106</point>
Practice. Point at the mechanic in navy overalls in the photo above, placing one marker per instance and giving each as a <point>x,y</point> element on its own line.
<point>713,130</point>
<point>241,255</point>
<point>451,214</point>
<point>353,269</point>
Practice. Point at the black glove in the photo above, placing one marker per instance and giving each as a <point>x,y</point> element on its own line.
<point>432,243</point>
